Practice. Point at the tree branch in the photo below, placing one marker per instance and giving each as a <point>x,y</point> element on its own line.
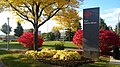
<point>21,14</point>
<point>44,8</point>
<point>49,17</point>
<point>32,12</point>
<point>26,19</point>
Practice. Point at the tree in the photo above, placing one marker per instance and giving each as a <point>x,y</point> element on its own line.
<point>38,12</point>
<point>56,32</point>
<point>19,30</point>
<point>117,28</point>
<point>50,36</point>
<point>103,24</point>
<point>110,28</point>
<point>68,20</point>
<point>4,29</point>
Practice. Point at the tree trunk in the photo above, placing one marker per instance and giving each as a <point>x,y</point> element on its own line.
<point>36,38</point>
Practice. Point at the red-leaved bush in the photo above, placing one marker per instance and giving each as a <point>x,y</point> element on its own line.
<point>27,40</point>
<point>107,38</point>
<point>77,38</point>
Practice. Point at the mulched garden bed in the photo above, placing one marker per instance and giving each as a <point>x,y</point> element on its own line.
<point>65,63</point>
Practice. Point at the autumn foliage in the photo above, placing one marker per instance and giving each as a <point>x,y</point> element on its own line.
<point>107,38</point>
<point>27,40</point>
<point>77,38</point>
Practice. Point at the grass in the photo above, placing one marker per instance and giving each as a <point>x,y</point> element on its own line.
<point>13,59</point>
<point>46,44</point>
<point>12,45</point>
<point>50,44</point>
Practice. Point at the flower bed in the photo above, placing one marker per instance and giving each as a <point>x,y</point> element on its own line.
<point>64,63</point>
<point>59,57</point>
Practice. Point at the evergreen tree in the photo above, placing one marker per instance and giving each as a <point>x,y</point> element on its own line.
<point>19,30</point>
<point>103,24</point>
<point>110,28</point>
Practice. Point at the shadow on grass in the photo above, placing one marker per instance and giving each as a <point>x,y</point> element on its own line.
<point>4,52</point>
<point>18,60</point>
<point>13,61</point>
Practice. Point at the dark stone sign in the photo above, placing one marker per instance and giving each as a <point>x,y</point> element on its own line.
<point>91,29</point>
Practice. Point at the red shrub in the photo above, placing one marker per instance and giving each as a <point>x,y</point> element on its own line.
<point>107,39</point>
<point>77,38</point>
<point>27,40</point>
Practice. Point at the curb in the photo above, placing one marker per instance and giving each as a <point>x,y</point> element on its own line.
<point>114,61</point>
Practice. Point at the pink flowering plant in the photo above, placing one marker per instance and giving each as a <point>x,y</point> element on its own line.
<point>27,40</point>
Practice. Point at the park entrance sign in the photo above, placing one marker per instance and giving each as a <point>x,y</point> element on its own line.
<point>91,32</point>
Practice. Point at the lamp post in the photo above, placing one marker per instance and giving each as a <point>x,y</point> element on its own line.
<point>8,34</point>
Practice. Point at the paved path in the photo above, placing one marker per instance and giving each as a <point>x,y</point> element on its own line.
<point>1,64</point>
<point>114,61</point>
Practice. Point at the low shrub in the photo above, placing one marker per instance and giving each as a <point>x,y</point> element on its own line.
<point>27,40</point>
<point>59,46</point>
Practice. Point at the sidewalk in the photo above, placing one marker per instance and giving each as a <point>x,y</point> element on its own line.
<point>114,61</point>
<point>1,64</point>
<point>11,49</point>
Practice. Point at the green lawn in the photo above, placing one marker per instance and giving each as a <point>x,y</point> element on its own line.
<point>14,58</point>
<point>50,44</point>
<point>12,45</point>
<point>46,44</point>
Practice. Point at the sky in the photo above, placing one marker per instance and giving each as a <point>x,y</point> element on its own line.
<point>109,11</point>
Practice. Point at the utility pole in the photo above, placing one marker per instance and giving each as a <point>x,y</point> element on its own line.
<point>8,34</point>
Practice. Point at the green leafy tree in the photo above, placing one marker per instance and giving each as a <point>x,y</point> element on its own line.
<point>57,34</point>
<point>19,30</point>
<point>50,36</point>
<point>5,30</point>
<point>117,29</point>
<point>37,12</point>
